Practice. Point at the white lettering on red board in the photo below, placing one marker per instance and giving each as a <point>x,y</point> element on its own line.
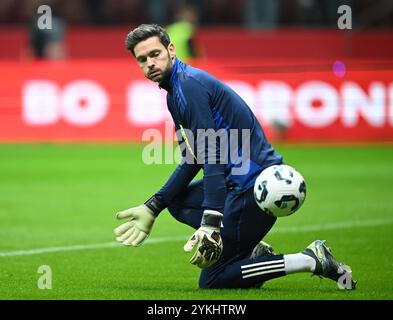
<point>146,104</point>
<point>40,102</point>
<point>370,106</point>
<point>391,104</point>
<point>274,103</point>
<point>314,104</point>
<point>325,112</point>
<point>80,103</point>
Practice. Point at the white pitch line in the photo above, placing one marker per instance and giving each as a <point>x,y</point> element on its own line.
<point>82,247</point>
<point>334,226</point>
<point>309,228</point>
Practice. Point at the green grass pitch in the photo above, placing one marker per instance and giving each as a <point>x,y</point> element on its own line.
<point>66,196</point>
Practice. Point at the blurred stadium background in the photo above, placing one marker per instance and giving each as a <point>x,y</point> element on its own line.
<point>74,107</point>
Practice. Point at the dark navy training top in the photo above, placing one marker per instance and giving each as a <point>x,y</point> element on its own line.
<point>202,106</point>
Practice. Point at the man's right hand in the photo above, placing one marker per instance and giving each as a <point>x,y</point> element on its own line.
<point>137,228</point>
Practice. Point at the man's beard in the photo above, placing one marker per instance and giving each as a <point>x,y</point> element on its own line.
<point>168,70</point>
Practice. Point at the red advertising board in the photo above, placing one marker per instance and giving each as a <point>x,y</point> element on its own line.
<point>110,100</point>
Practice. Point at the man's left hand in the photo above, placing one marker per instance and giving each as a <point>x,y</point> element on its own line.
<point>206,240</point>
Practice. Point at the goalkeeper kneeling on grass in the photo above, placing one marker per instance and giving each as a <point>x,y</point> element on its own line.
<point>221,206</point>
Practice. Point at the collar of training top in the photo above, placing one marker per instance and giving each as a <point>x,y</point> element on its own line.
<point>167,82</point>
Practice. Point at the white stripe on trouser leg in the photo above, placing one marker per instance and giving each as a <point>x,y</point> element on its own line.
<point>281,265</point>
<point>246,266</point>
<point>261,268</point>
<point>262,272</point>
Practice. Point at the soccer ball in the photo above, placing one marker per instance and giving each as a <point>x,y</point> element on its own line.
<point>280,190</point>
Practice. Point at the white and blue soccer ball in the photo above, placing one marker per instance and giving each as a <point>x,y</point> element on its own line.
<point>280,190</point>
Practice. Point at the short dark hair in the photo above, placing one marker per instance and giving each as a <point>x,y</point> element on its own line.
<point>146,31</point>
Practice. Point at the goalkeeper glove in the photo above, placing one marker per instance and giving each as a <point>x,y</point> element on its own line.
<point>207,240</point>
<point>141,219</point>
